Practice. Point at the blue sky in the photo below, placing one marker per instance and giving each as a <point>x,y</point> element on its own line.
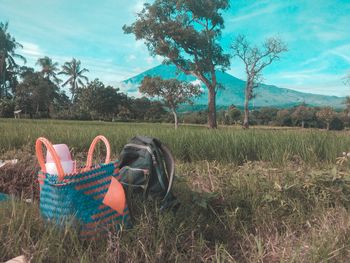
<point>317,33</point>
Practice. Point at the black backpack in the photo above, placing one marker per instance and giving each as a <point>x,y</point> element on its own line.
<point>147,166</point>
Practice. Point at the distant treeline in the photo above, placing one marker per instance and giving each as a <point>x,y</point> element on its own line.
<point>38,97</point>
<point>298,116</point>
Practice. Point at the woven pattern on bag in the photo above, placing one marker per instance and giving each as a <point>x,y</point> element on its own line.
<point>80,196</point>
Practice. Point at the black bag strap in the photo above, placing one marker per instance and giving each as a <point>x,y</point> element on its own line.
<point>169,166</point>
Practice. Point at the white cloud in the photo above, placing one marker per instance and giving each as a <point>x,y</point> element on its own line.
<point>136,8</point>
<point>258,9</point>
<point>342,52</point>
<point>31,49</point>
<point>131,57</point>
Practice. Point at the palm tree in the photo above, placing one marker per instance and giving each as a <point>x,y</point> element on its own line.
<point>75,75</point>
<point>48,69</point>
<point>8,45</point>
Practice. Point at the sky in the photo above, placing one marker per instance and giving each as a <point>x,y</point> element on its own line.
<point>317,33</point>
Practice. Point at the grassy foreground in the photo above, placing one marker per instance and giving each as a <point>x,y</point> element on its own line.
<point>240,204</point>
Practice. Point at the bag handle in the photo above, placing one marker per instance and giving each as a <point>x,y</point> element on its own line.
<point>39,153</point>
<point>92,148</point>
<point>170,167</point>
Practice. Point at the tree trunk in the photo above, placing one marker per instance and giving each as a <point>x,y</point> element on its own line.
<point>212,108</point>
<point>175,118</point>
<point>328,124</point>
<point>302,124</point>
<point>246,109</point>
<point>2,74</point>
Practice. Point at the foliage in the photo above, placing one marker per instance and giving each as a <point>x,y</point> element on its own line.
<point>302,113</point>
<point>8,65</point>
<point>326,115</point>
<point>232,115</point>
<point>283,118</point>
<point>75,75</point>
<point>97,101</point>
<point>144,109</point>
<point>172,91</point>
<point>336,124</point>
<point>35,94</point>
<point>49,69</point>
<point>7,107</point>
<point>186,33</point>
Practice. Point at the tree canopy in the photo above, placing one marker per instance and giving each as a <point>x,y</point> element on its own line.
<point>172,91</point>
<point>186,33</point>
<point>74,72</point>
<point>49,69</point>
<point>8,65</point>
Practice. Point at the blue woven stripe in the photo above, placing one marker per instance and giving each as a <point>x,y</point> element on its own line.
<point>54,211</point>
<point>60,200</point>
<point>54,192</point>
<point>55,205</point>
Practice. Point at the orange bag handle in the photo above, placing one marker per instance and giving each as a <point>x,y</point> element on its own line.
<point>92,148</point>
<point>39,153</point>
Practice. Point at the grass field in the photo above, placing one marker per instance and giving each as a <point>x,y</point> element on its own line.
<point>189,143</point>
<point>261,195</point>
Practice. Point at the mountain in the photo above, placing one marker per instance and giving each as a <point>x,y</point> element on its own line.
<point>233,91</point>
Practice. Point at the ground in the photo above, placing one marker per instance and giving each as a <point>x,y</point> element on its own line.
<point>246,196</point>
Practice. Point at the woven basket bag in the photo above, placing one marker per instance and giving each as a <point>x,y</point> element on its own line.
<point>91,196</point>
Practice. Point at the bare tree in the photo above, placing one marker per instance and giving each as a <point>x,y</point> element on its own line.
<point>326,115</point>
<point>347,79</point>
<point>255,60</point>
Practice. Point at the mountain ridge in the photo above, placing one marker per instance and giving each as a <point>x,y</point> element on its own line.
<point>233,91</point>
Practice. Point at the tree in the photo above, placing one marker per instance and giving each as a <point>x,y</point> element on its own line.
<point>255,60</point>
<point>302,114</point>
<point>7,107</point>
<point>232,115</point>
<point>186,34</point>
<point>172,91</point>
<point>326,115</point>
<point>48,69</point>
<point>75,76</point>
<point>283,118</point>
<point>98,101</point>
<point>347,103</point>
<point>35,94</point>
<point>8,65</point>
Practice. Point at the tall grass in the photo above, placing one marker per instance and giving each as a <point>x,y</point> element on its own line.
<point>189,143</point>
<point>252,213</point>
<point>271,210</point>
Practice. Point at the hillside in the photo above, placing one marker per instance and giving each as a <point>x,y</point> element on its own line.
<point>233,91</point>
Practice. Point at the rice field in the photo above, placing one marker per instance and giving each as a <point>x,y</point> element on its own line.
<point>258,195</point>
<point>188,143</point>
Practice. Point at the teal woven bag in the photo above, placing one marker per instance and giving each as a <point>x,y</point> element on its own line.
<point>92,196</point>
